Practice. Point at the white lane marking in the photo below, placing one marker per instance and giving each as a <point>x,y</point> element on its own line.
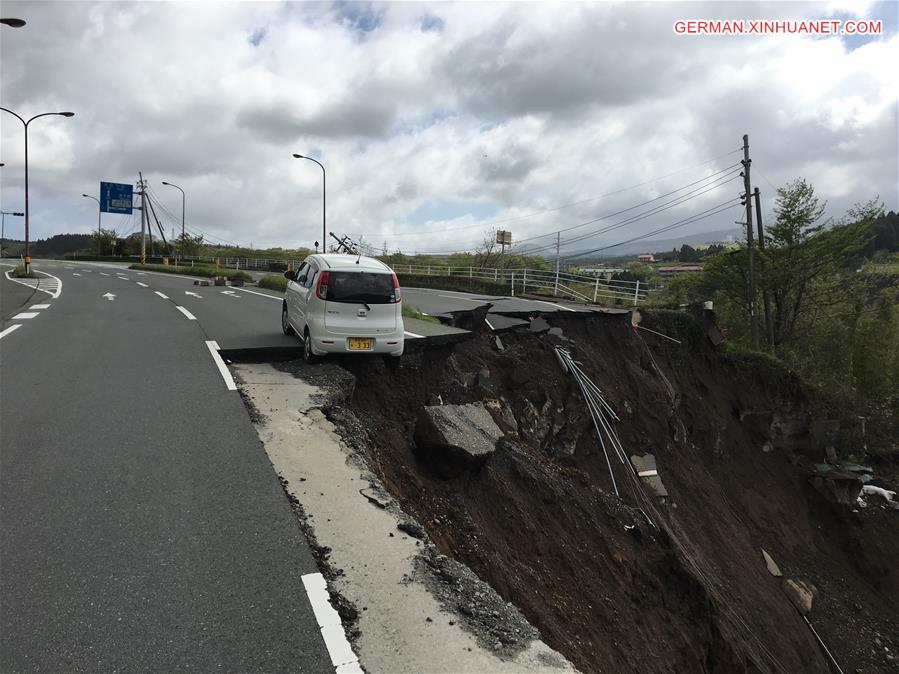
<point>198,295</point>
<point>39,306</point>
<point>34,283</point>
<point>124,278</point>
<point>254,292</point>
<point>25,314</point>
<point>142,285</point>
<point>184,311</point>
<point>412,334</point>
<point>552,304</point>
<point>10,329</point>
<point>103,273</point>
<point>165,297</point>
<point>230,293</point>
<point>75,273</point>
<point>141,273</point>
<point>489,324</point>
<point>109,296</point>
<point>464,299</point>
<point>342,656</point>
<point>87,271</point>
<point>220,364</point>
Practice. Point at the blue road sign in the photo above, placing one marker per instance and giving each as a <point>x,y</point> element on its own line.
<point>116,198</point>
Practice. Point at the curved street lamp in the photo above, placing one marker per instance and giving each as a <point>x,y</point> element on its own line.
<point>324,234</point>
<point>25,124</point>
<point>98,220</point>
<point>182,216</point>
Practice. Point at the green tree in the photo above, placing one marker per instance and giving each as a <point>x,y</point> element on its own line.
<point>107,241</point>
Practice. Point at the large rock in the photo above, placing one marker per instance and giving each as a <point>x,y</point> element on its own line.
<point>453,438</point>
<point>801,593</point>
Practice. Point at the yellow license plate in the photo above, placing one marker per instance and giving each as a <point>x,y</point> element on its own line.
<point>360,343</point>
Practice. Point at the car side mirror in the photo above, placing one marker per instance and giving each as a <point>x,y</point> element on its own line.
<point>289,275</point>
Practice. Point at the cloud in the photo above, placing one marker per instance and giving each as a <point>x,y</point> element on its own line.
<point>402,101</point>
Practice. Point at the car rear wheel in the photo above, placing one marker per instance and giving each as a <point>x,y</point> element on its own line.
<point>286,327</point>
<point>308,356</point>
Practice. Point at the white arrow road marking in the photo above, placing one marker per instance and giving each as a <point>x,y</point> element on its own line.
<point>10,329</point>
<point>220,364</point>
<point>230,293</point>
<point>165,297</point>
<point>109,296</point>
<point>188,292</point>
<point>142,285</point>
<point>184,311</point>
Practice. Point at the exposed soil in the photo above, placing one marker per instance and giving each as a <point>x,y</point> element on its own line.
<point>608,589</point>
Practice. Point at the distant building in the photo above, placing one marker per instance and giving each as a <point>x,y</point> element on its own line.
<point>646,258</point>
<point>605,272</point>
<point>668,272</point>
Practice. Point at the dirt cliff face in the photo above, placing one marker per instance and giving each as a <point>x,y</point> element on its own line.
<point>680,587</point>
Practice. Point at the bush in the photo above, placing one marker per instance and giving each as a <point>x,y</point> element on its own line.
<point>273,282</point>
<point>206,272</point>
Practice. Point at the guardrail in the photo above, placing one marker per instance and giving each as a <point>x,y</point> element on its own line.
<point>592,289</point>
<point>557,284</point>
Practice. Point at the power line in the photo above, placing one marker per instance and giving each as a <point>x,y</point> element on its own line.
<point>691,194</point>
<point>569,205</point>
<point>640,216</point>
<point>724,206</point>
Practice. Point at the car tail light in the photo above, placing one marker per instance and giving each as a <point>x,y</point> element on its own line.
<point>397,293</point>
<point>321,291</point>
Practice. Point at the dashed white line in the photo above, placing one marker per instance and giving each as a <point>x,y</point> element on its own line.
<point>10,329</point>
<point>184,311</point>
<point>412,334</point>
<point>142,285</point>
<point>489,324</point>
<point>342,656</point>
<point>39,306</point>
<point>165,297</point>
<point>220,364</point>
<point>103,273</point>
<point>75,273</point>
<point>25,314</point>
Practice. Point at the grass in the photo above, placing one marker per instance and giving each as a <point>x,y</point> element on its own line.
<point>20,272</point>
<point>412,312</point>
<point>206,272</point>
<point>273,282</point>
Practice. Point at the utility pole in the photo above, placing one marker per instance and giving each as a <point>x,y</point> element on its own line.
<point>558,245</point>
<point>748,202</point>
<point>142,186</point>
<point>769,325</point>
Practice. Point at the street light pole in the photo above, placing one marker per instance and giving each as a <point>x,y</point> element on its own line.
<point>25,124</point>
<point>99,213</point>
<point>324,180</point>
<point>182,216</point>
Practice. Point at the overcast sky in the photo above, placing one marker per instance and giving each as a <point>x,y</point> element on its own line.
<point>437,122</point>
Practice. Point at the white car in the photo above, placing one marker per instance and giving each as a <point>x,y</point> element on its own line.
<point>343,304</point>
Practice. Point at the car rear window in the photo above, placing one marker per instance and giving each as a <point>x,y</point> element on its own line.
<point>372,288</point>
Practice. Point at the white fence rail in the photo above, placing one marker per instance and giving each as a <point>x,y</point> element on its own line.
<point>536,281</point>
<point>593,289</point>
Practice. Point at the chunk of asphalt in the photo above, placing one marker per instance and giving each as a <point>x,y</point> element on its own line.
<point>453,438</point>
<point>539,325</point>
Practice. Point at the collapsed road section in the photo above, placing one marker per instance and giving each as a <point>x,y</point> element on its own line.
<point>720,552</point>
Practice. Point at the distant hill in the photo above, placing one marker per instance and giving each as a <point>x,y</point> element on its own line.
<point>662,245</point>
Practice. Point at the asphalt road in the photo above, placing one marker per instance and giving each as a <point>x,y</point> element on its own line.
<point>142,526</point>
